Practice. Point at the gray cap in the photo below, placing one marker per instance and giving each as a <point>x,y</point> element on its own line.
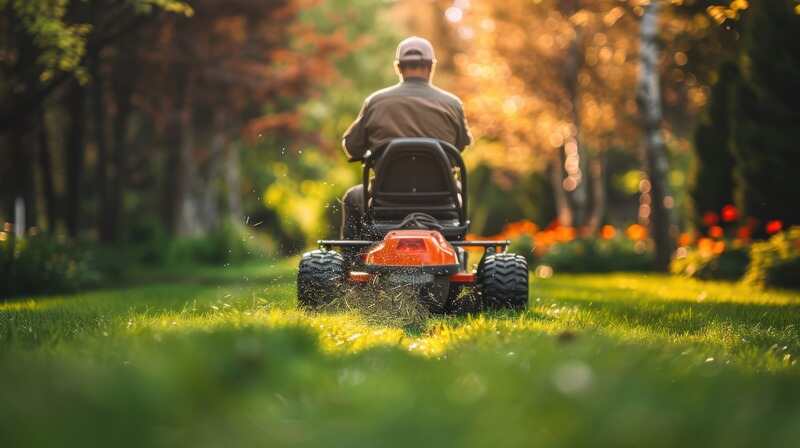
<point>415,48</point>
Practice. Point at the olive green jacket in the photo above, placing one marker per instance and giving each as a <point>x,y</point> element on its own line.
<point>412,108</point>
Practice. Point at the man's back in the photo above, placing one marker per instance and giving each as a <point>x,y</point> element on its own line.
<point>412,108</point>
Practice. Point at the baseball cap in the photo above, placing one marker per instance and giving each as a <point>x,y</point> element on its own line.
<point>415,48</point>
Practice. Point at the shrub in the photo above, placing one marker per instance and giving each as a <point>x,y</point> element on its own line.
<point>776,262</point>
<point>702,264</point>
<point>523,245</point>
<point>765,111</point>
<point>40,264</point>
<point>147,241</point>
<point>227,244</point>
<point>599,255</point>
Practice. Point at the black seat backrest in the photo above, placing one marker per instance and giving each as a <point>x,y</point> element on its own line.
<point>413,168</point>
<point>414,174</point>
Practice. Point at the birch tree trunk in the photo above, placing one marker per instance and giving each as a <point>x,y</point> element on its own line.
<point>648,96</point>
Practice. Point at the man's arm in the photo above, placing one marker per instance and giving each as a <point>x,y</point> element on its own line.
<point>464,137</point>
<point>354,142</point>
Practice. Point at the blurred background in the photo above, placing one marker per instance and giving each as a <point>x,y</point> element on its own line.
<point>610,134</point>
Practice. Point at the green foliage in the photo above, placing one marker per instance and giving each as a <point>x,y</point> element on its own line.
<point>229,243</point>
<point>62,44</point>
<point>39,264</point>
<point>728,265</point>
<point>711,179</point>
<point>776,262</point>
<point>301,180</point>
<point>367,68</point>
<point>766,131</point>
<point>497,198</point>
<point>598,255</point>
<point>524,246</point>
<point>304,193</point>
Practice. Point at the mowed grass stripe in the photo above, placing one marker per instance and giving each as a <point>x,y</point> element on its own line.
<point>221,357</point>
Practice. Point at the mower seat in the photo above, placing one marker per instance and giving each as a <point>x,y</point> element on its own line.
<point>415,175</point>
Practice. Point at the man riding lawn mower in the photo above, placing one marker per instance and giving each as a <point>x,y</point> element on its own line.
<point>404,226</point>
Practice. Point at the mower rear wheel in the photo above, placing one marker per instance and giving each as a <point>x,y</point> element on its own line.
<point>503,282</point>
<point>320,278</point>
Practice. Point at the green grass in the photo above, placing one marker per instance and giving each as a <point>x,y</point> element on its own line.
<point>220,357</point>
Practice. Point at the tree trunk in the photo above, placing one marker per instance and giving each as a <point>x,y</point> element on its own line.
<point>106,230</point>
<point>576,156</point>
<point>563,210</point>
<point>23,184</point>
<point>233,183</point>
<point>174,170</point>
<point>188,221</point>
<point>209,187</point>
<point>75,103</point>
<point>23,83</point>
<point>649,101</point>
<point>123,84</point>
<point>597,167</point>
<point>46,170</point>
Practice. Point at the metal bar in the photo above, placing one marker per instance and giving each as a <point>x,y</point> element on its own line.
<point>420,208</point>
<point>343,243</point>
<point>481,243</point>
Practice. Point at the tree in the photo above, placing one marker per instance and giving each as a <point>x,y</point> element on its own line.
<point>648,95</point>
<point>46,44</point>
<point>711,185</point>
<point>235,69</point>
<point>50,39</point>
<point>548,81</point>
<point>766,134</point>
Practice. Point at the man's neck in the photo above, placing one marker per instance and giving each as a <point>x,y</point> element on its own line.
<point>415,79</point>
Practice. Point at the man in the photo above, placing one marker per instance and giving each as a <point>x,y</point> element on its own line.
<point>412,108</point>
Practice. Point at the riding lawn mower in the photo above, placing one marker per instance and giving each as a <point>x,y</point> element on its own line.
<point>413,238</point>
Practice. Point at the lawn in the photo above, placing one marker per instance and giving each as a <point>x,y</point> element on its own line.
<point>220,357</point>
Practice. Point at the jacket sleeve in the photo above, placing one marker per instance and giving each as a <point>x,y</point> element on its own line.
<point>464,138</point>
<point>355,140</point>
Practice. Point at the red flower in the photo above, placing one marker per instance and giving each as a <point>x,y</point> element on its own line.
<point>710,219</point>
<point>743,233</point>
<point>685,239</point>
<point>607,232</point>
<point>716,232</point>
<point>774,226</point>
<point>730,213</point>
<point>636,232</point>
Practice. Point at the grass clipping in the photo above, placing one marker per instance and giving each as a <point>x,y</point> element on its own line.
<point>397,306</point>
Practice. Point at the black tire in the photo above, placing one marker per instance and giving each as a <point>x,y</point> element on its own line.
<point>503,282</point>
<point>320,278</point>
